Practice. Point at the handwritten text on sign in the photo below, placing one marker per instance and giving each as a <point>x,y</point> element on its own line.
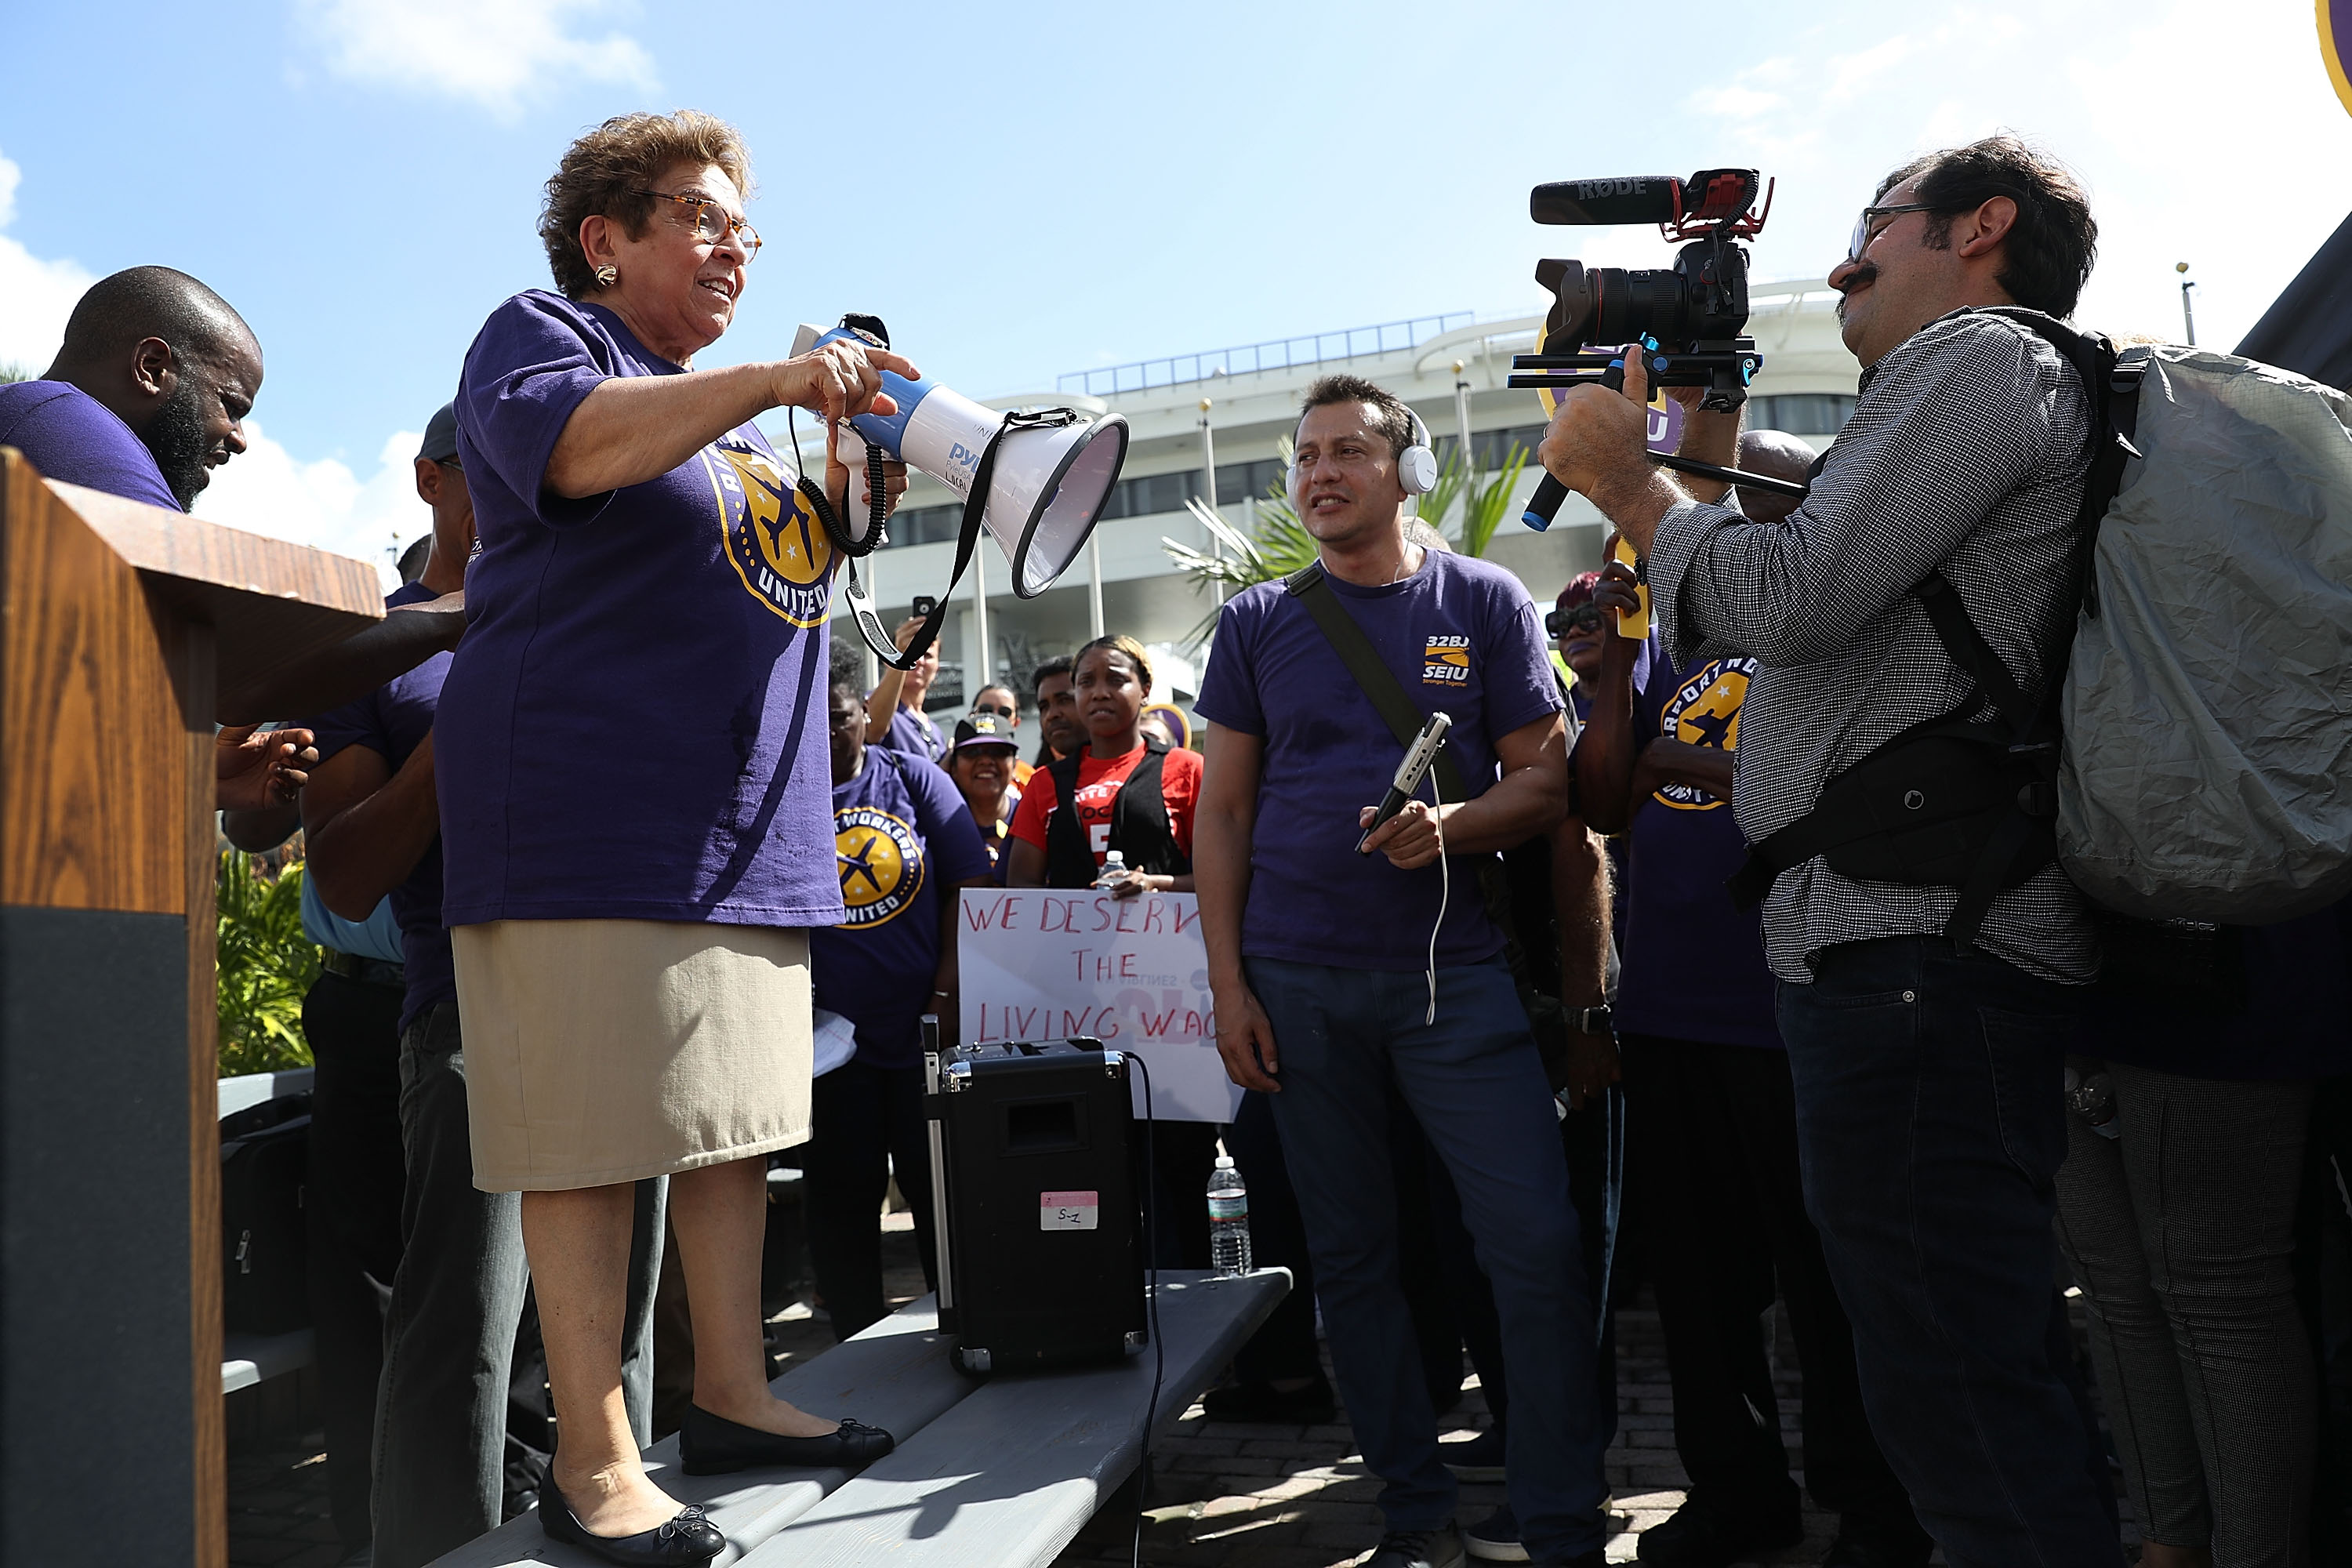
<point>1040,965</point>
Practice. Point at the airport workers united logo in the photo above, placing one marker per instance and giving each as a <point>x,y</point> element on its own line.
<point>1705,712</point>
<point>1446,662</point>
<point>771,535</point>
<point>881,864</point>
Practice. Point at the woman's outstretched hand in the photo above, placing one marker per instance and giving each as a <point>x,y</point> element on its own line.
<point>840,379</point>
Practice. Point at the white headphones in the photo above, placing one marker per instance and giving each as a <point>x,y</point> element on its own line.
<point>1416,466</point>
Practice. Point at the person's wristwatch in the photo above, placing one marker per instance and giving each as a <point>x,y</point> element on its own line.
<point>1590,1020</point>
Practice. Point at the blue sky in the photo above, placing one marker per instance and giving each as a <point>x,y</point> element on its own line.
<point>1025,191</point>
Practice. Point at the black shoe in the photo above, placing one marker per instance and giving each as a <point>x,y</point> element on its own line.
<point>1478,1459</point>
<point>1704,1535</point>
<point>1495,1538</point>
<point>687,1540</point>
<point>1312,1405</point>
<point>711,1444</point>
<point>1870,1544</point>
<point>1439,1548</point>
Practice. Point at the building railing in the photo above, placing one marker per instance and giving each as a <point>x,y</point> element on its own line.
<point>1279,354</point>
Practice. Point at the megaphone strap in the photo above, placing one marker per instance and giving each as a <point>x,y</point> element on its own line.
<point>975,507</point>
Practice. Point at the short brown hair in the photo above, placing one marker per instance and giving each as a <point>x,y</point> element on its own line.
<point>2054,241</point>
<point>1390,418</point>
<point>603,172</point>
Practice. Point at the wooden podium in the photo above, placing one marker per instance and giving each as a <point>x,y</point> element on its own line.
<point>117,623</point>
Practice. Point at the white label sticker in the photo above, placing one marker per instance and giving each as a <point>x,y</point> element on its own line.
<point>1068,1211</point>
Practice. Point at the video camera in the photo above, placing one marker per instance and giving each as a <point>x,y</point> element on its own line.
<point>1688,318</point>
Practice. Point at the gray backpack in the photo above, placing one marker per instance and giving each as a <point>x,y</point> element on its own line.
<point>2207,767</point>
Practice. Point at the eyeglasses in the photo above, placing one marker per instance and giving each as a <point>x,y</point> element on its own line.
<point>712,223</point>
<point>1582,619</point>
<point>1864,233</point>
<point>1003,713</point>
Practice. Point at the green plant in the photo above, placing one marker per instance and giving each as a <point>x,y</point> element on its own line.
<point>263,965</point>
<point>11,370</point>
<point>1473,504</point>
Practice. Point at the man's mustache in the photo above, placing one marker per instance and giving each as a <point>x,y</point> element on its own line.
<point>1864,273</point>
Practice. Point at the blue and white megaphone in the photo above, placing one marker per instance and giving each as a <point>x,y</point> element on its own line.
<point>1037,481</point>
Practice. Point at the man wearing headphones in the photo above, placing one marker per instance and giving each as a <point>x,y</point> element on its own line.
<point>1336,973</point>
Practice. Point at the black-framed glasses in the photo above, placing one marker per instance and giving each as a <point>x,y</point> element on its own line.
<point>710,222</point>
<point>1003,713</point>
<point>1582,619</point>
<point>1864,233</point>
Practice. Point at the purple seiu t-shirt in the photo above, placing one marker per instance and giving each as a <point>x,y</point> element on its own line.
<point>914,735</point>
<point>1694,964</point>
<point>1461,635</point>
<point>634,727</point>
<point>903,838</point>
<point>392,722</point>
<point>72,436</point>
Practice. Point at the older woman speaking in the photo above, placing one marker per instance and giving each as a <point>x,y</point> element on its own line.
<point>635,797</point>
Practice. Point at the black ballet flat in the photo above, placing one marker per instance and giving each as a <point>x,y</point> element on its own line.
<point>687,1540</point>
<point>711,1444</point>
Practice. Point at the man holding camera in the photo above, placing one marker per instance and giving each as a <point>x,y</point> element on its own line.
<point>1926,1070</point>
<point>1338,972</point>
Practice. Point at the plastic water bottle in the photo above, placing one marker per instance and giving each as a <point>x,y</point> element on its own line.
<point>1229,1241</point>
<point>1114,864</point>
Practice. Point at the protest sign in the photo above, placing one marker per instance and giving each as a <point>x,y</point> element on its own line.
<point>1040,963</point>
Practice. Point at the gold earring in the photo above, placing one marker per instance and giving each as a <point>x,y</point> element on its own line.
<point>607,275</point>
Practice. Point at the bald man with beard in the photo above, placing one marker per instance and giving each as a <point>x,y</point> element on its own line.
<point>1712,1171</point>
<point>149,395</point>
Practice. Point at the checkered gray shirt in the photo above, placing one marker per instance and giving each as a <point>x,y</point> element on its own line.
<point>1968,453</point>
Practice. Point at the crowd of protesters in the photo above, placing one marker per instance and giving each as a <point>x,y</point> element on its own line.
<point>579,988</point>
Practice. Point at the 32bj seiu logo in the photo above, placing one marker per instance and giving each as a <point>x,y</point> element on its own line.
<point>1446,662</point>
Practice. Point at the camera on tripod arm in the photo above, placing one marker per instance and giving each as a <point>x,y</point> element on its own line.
<point>1687,321</point>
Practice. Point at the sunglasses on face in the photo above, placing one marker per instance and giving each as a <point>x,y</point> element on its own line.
<point>1003,713</point>
<point>1582,619</point>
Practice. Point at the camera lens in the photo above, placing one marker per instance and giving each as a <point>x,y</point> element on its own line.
<point>1628,304</point>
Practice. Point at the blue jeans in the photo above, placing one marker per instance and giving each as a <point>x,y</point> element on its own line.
<point>1930,1125</point>
<point>441,1410</point>
<point>1475,1084</point>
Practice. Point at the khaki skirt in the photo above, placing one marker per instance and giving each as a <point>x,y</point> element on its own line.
<point>605,1051</point>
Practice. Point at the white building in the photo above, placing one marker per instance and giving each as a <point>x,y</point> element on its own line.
<point>1806,387</point>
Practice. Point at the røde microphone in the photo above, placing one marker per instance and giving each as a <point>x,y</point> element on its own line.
<point>1410,773</point>
<point>1644,198</point>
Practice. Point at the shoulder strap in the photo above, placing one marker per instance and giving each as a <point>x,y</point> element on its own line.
<point>1969,650</point>
<point>1140,828</point>
<point>1067,852</point>
<point>1378,681</point>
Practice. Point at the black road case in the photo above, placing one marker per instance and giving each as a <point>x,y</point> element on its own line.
<point>1041,1260</point>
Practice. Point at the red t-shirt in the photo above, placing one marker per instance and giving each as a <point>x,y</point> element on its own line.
<point>1099,780</point>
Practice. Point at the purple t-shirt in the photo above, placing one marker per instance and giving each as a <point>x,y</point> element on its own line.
<point>634,727</point>
<point>392,722</point>
<point>913,733</point>
<point>902,839</point>
<point>1694,964</point>
<point>71,435</point>
<point>1461,635</point>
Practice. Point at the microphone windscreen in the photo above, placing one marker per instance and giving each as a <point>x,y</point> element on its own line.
<point>1642,198</point>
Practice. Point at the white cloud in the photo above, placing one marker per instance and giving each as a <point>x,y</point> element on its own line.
<point>322,503</point>
<point>2230,190</point>
<point>36,296</point>
<point>498,54</point>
